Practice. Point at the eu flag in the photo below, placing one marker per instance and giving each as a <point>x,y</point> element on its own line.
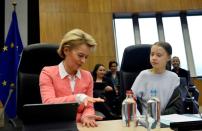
<point>9,60</point>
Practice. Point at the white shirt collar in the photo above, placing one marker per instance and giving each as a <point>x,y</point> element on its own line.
<point>63,72</point>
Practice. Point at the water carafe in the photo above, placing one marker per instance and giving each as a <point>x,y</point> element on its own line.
<point>129,110</point>
<point>153,113</point>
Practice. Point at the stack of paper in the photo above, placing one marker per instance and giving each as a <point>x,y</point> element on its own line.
<point>167,119</point>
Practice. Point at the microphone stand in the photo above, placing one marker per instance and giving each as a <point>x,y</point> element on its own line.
<point>7,100</point>
<point>194,104</point>
<point>5,105</point>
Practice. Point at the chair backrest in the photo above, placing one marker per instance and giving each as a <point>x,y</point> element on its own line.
<point>190,101</point>
<point>191,104</point>
<point>135,59</point>
<point>34,58</point>
<point>183,88</point>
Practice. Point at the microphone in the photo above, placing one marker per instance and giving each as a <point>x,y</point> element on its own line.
<point>194,104</point>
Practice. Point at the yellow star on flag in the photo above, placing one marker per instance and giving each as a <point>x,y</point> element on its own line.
<point>12,45</point>
<point>4,83</point>
<point>5,48</point>
<point>12,84</point>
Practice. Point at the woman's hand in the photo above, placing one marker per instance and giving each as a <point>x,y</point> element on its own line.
<point>92,100</point>
<point>90,120</point>
<point>108,88</point>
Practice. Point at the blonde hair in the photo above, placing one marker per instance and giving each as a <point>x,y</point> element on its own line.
<point>75,38</point>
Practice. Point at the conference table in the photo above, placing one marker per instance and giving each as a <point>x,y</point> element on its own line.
<point>116,125</point>
<point>110,125</point>
<point>194,123</point>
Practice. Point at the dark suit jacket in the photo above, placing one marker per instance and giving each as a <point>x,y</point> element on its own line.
<point>183,73</point>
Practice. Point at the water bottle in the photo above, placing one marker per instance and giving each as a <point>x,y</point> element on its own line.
<point>153,111</point>
<point>129,110</point>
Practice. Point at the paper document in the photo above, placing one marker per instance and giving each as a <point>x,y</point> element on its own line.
<point>167,119</point>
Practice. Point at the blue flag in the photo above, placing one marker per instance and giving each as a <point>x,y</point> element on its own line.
<point>9,61</point>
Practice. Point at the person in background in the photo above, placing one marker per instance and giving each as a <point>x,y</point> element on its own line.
<point>114,75</point>
<point>159,82</point>
<point>179,71</point>
<point>67,82</point>
<point>104,88</point>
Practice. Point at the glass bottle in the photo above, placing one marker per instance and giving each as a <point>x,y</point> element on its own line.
<point>129,110</point>
<point>153,111</point>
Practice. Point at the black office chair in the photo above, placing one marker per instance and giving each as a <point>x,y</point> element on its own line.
<point>189,95</point>
<point>135,59</point>
<point>34,58</point>
<point>191,104</point>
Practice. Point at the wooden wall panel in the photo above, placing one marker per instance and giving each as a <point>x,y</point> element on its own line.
<point>68,6</point>
<point>103,33</point>
<point>50,31</point>
<point>198,83</point>
<point>95,17</point>
<point>100,6</point>
<point>96,20</point>
<point>191,4</point>
<point>137,6</point>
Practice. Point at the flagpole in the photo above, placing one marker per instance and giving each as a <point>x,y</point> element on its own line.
<point>12,120</point>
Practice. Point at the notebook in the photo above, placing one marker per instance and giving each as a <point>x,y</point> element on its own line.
<point>48,117</point>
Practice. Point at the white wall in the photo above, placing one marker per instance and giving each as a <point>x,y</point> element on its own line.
<point>22,13</point>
